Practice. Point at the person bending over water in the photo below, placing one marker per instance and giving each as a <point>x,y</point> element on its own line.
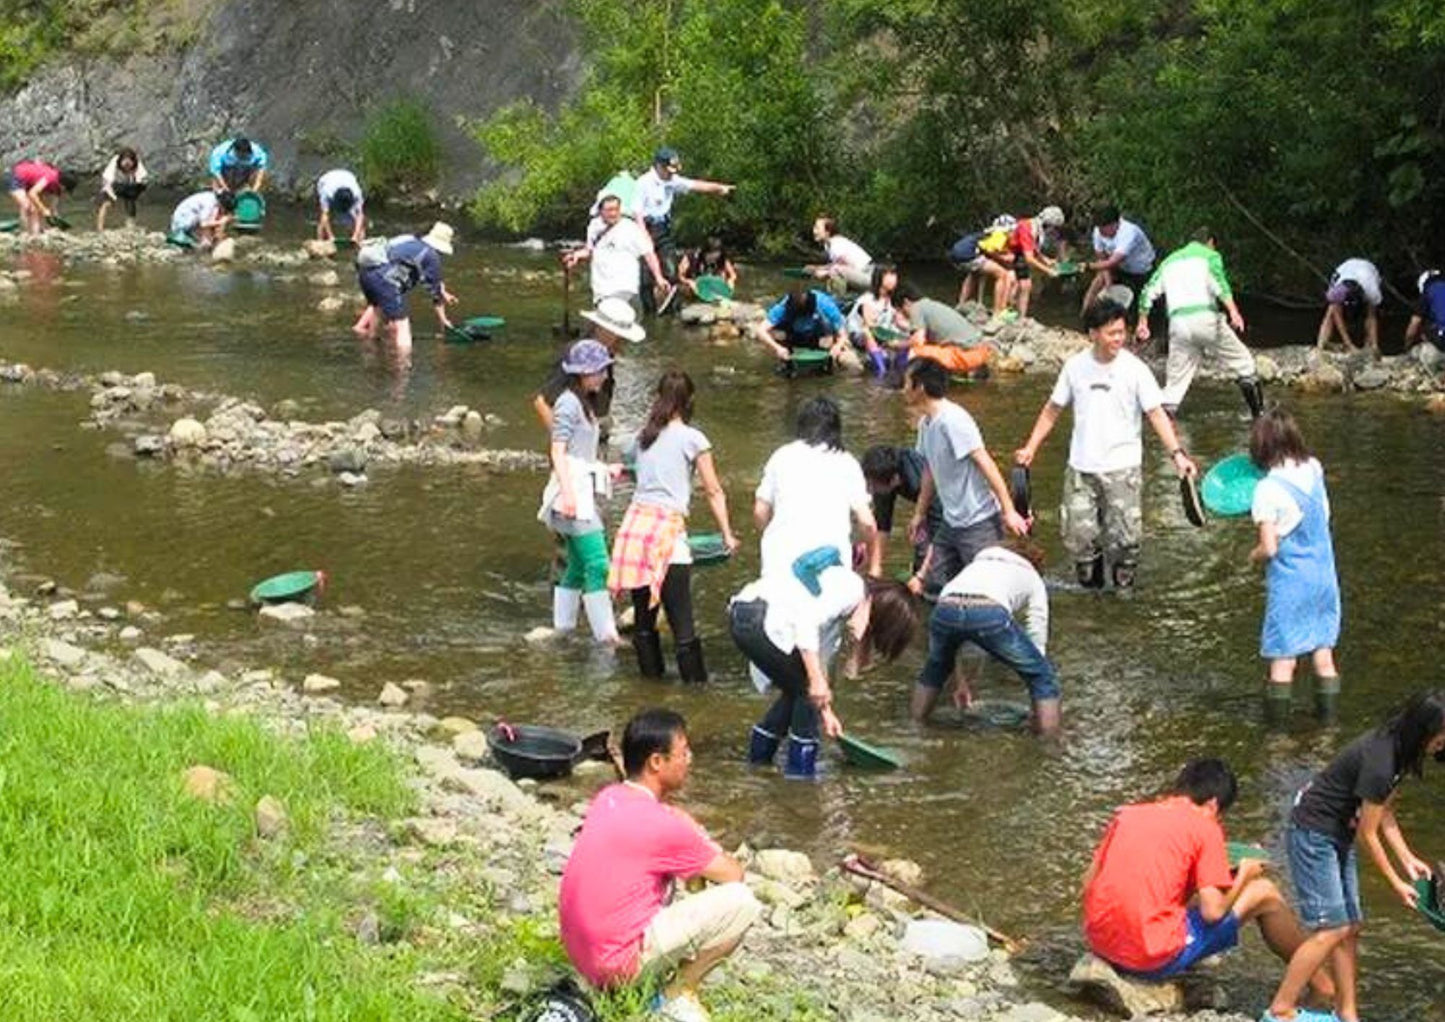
<point>30,183</point>
<point>651,558</point>
<point>203,217</point>
<point>123,180</point>
<point>388,269</point>
<point>1302,591</point>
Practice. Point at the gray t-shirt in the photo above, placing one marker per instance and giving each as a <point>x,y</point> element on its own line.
<point>664,470</point>
<point>948,440</point>
<point>572,425</point>
<point>943,324</point>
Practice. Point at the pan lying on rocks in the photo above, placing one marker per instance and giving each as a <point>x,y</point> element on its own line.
<point>543,753</point>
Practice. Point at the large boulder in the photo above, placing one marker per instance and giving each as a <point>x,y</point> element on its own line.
<point>1099,981</point>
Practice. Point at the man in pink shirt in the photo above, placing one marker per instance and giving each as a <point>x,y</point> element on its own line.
<point>617,915</point>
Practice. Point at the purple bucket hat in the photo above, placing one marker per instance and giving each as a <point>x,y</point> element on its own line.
<point>586,357</point>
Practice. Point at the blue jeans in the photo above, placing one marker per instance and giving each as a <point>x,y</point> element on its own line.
<point>993,628</point>
<point>1326,875</point>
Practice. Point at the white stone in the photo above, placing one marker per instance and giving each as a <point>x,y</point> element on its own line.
<point>392,695</point>
<point>318,684</point>
<point>492,787</point>
<point>160,664</point>
<point>225,250</point>
<point>783,865</point>
<point>367,432</point>
<point>539,634</point>
<point>187,432</point>
<point>130,633</point>
<point>941,942</point>
<point>470,746</point>
<point>63,653</point>
<point>64,610</point>
<point>286,613</point>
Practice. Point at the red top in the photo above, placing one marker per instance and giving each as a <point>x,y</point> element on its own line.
<point>630,850</point>
<point>1153,859</point>
<point>29,173</point>
<point>1021,239</point>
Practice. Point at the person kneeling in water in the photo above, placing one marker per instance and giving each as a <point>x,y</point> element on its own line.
<point>978,605</point>
<point>790,627</point>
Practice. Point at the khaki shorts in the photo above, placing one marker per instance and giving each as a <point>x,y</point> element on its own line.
<point>711,919</point>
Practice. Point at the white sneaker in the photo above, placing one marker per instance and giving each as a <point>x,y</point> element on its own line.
<point>683,1008</point>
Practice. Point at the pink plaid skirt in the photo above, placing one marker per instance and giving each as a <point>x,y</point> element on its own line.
<point>643,548</point>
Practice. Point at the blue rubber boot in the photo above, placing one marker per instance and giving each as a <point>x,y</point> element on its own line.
<point>879,361</point>
<point>802,761</point>
<point>762,747</point>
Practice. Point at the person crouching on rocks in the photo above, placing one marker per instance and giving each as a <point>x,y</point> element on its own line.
<point>806,318</point>
<point>29,183</point>
<point>123,180</point>
<point>571,501</point>
<point>790,627</point>
<point>978,605</point>
<point>203,217</point>
<point>388,269</point>
<point>651,558</point>
<point>618,917</point>
<point>1302,591</point>
<point>1160,896</point>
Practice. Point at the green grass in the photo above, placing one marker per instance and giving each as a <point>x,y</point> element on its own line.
<point>399,149</point>
<point>124,898</point>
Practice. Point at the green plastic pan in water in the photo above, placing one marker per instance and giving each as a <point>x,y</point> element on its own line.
<point>887,334</point>
<point>1238,851</point>
<point>1429,904</point>
<point>289,588</point>
<point>465,334</point>
<point>798,273</point>
<point>485,323</point>
<point>1228,489</point>
<point>180,239</point>
<point>708,548</point>
<point>1068,268</point>
<point>9,225</point>
<point>807,362</point>
<point>250,211</point>
<point>58,222</point>
<point>1000,713</point>
<point>859,753</point>
<point>713,289</point>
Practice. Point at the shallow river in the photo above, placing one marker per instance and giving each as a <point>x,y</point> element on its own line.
<point>449,566</point>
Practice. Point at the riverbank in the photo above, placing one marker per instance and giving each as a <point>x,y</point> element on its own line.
<point>427,871</point>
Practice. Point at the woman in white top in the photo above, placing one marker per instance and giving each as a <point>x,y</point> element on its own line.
<point>651,558</point>
<point>1302,591</point>
<point>874,312</point>
<point>811,494</point>
<point>849,264</point>
<point>122,180</point>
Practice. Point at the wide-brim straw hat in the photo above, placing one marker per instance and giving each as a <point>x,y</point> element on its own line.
<point>616,316</point>
<point>440,237</point>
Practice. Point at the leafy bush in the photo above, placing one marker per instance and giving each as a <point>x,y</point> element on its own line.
<point>400,150</point>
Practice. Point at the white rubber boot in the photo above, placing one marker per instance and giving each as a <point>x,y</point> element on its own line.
<point>599,615</point>
<point>566,606</point>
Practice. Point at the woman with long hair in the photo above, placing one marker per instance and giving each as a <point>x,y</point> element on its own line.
<point>873,311</point>
<point>651,558</point>
<point>570,503</point>
<point>1349,803</point>
<point>791,627</point>
<point>1302,592</point>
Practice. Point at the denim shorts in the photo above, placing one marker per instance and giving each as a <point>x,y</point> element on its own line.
<point>1326,875</point>
<point>11,185</point>
<point>381,291</point>
<point>1200,942</point>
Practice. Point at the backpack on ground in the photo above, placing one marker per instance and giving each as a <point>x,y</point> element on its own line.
<point>563,1001</point>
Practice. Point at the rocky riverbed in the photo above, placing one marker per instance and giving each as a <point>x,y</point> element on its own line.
<point>850,949</point>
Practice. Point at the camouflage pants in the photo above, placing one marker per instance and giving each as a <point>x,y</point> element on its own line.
<point>1101,514</point>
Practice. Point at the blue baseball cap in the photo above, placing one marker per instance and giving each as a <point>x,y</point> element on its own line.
<point>667,156</point>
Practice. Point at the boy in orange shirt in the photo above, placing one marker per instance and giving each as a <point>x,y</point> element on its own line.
<point>1160,895</point>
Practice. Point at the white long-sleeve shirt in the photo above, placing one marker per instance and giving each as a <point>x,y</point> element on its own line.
<point>1010,581</point>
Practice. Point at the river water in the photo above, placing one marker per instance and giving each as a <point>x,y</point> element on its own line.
<point>449,566</point>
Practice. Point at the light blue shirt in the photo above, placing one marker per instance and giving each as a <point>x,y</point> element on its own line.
<point>222,157</point>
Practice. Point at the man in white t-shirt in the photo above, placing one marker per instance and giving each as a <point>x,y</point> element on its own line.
<point>1111,391</point>
<point>1123,254</point>
<point>615,244</point>
<point>652,200</point>
<point>339,195</point>
<point>848,262</point>
<point>1354,292</point>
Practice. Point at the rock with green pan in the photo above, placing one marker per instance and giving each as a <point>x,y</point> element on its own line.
<point>713,289</point>
<point>1228,489</point>
<point>290,587</point>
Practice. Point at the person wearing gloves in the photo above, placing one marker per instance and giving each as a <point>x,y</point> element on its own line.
<point>122,181</point>
<point>790,627</point>
<point>980,605</point>
<point>571,501</point>
<point>651,558</point>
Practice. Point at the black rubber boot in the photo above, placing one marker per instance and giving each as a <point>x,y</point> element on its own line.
<point>1277,697</point>
<point>1253,392</point>
<point>1124,574</point>
<point>690,665</point>
<point>1090,573</point>
<point>648,646</point>
<point>1327,699</point>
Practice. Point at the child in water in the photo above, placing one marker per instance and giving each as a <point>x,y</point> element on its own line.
<point>1302,592</point>
<point>1349,803</point>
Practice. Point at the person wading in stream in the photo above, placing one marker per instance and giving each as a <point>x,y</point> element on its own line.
<point>203,216</point>
<point>571,503</point>
<point>894,472</point>
<point>123,180</point>
<point>388,269</point>
<point>652,200</point>
<point>1349,803</point>
<point>1159,896</point>
<point>619,917</point>
<point>791,626</point>
<point>651,558</point>
<point>614,246</point>
<point>979,605</point>
<point>238,165</point>
<point>30,183</point>
<point>1302,591</point>
<point>1193,284</point>
<point>1112,392</point>
<point>339,195</point>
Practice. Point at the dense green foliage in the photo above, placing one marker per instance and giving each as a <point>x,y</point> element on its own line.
<point>31,30</point>
<point>399,149</point>
<point>1318,122</point>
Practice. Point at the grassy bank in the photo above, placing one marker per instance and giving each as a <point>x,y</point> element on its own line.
<point>126,898</point>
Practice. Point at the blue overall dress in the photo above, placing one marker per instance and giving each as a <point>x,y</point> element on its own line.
<point>1302,592</point>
